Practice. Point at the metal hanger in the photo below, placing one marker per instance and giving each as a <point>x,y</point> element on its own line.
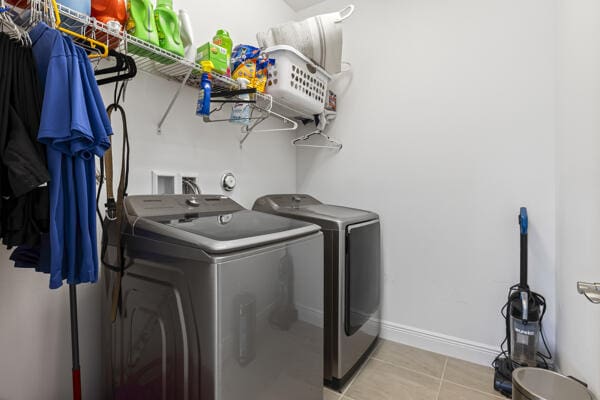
<point>248,129</point>
<point>47,12</point>
<point>8,26</point>
<point>322,122</point>
<point>34,12</point>
<point>95,53</point>
<point>251,128</point>
<point>334,144</point>
<point>264,115</point>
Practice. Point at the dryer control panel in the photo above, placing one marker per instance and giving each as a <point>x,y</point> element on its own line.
<point>286,201</point>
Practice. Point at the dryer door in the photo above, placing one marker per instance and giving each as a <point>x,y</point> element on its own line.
<point>363,270</point>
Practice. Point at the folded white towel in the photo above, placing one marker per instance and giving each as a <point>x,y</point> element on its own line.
<point>319,38</point>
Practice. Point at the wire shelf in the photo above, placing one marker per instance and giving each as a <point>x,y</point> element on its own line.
<point>157,61</point>
<point>152,59</point>
<point>148,57</point>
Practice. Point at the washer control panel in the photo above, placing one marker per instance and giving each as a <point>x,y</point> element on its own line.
<point>174,205</point>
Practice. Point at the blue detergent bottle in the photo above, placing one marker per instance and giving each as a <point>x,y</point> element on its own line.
<point>81,6</point>
<point>203,105</point>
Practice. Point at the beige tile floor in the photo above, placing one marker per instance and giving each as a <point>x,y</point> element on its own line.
<point>398,372</point>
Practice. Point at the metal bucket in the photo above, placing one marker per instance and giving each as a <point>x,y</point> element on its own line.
<point>541,384</point>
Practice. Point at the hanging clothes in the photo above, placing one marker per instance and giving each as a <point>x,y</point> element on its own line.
<point>75,129</point>
<point>23,172</point>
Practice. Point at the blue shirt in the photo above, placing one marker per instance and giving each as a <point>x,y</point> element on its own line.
<point>74,126</point>
<point>52,64</point>
<point>85,171</point>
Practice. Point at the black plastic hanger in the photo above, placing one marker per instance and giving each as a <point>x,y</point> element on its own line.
<point>230,96</point>
<point>120,66</point>
<point>125,69</point>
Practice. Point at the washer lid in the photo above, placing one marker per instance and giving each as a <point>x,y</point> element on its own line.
<point>541,384</point>
<point>213,223</point>
<point>224,233</point>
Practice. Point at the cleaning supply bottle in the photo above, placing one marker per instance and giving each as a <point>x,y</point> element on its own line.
<point>110,10</point>
<point>82,6</point>
<point>167,24</point>
<point>203,105</point>
<point>240,113</point>
<point>223,39</point>
<point>114,14</point>
<point>141,23</point>
<point>187,34</point>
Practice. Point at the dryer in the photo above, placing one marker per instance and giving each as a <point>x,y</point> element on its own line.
<point>352,278</point>
<point>217,303</point>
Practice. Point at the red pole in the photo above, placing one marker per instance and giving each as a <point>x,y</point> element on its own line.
<point>75,343</point>
<point>76,384</point>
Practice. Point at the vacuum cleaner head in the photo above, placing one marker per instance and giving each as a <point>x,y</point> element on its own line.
<point>503,376</point>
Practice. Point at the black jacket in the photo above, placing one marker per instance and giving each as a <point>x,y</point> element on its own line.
<point>24,206</point>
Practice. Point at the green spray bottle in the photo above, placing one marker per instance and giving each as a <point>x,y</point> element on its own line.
<point>167,24</point>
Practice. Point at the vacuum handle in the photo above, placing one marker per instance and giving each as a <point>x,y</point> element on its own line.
<point>523,221</point>
<point>525,306</point>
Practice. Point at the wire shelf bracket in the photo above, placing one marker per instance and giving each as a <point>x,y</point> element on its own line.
<point>172,102</point>
<point>248,129</point>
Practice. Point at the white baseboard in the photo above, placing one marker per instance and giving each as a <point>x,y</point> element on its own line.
<point>451,346</point>
<point>467,350</point>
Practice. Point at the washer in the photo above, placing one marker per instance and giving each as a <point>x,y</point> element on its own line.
<point>216,303</point>
<point>352,278</point>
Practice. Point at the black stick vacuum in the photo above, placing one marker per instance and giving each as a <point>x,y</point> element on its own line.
<point>523,313</point>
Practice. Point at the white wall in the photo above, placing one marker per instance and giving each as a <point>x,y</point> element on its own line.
<point>446,133</point>
<point>187,144</point>
<point>298,5</point>
<point>34,332</point>
<point>578,216</point>
<point>448,128</point>
<point>35,336</point>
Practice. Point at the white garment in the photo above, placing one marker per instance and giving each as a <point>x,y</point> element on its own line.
<point>319,38</point>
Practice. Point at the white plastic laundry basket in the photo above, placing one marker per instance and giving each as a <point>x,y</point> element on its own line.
<point>296,82</point>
